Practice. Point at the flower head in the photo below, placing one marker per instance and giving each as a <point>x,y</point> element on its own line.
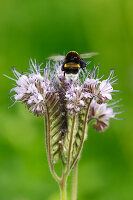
<point>105,90</point>
<point>74,97</point>
<point>37,87</point>
<point>32,89</point>
<point>101,113</point>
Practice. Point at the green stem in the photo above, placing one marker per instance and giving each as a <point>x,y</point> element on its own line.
<point>62,184</point>
<point>83,135</point>
<point>70,143</point>
<point>75,182</point>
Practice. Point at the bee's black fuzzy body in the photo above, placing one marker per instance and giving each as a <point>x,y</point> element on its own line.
<point>72,63</point>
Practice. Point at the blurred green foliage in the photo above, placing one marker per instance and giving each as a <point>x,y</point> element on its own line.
<point>37,29</point>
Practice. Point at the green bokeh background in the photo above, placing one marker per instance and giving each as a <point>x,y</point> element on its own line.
<point>37,29</point>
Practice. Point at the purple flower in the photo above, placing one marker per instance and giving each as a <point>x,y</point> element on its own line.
<point>101,113</point>
<point>36,87</point>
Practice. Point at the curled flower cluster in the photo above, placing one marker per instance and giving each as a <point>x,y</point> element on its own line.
<point>75,98</point>
<point>34,89</point>
<point>102,114</point>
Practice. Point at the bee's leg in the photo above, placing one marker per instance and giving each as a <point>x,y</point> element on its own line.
<point>64,74</point>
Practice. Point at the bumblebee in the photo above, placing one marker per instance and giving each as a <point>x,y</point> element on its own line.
<point>72,62</point>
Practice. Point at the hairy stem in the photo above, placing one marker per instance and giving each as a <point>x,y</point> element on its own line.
<point>83,135</point>
<point>70,143</point>
<point>75,182</point>
<point>62,184</point>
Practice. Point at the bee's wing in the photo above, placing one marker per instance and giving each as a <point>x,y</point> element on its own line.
<point>89,55</point>
<point>56,58</point>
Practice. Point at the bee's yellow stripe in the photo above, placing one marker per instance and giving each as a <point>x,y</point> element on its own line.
<point>71,65</point>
